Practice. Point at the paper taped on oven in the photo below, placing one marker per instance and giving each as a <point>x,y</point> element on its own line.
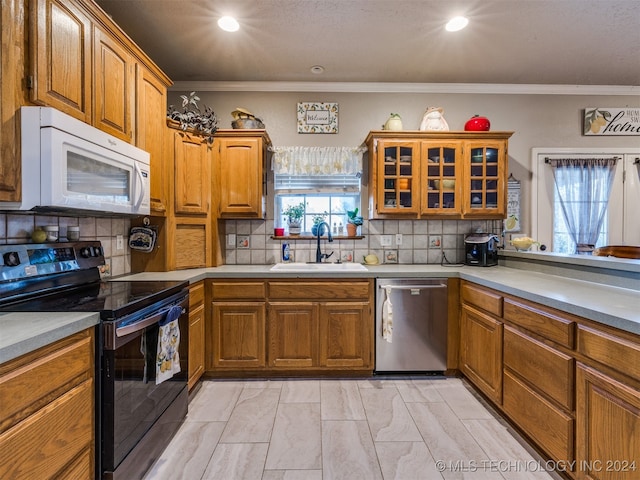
<point>142,238</point>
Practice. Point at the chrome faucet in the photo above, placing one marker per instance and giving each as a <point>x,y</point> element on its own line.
<point>320,229</point>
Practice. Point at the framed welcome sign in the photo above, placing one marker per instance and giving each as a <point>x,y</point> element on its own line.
<point>317,117</point>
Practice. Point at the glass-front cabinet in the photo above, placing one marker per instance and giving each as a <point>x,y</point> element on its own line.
<point>441,178</point>
<point>398,179</point>
<point>485,178</point>
<point>437,174</point>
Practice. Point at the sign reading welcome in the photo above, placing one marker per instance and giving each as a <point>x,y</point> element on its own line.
<point>317,117</point>
<point>611,121</point>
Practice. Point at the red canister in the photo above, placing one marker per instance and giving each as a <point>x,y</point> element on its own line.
<point>477,124</point>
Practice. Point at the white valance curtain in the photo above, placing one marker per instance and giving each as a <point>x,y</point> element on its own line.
<point>583,186</point>
<point>317,160</point>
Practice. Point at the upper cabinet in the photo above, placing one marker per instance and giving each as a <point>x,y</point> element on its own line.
<point>192,157</point>
<point>434,175</point>
<point>240,175</point>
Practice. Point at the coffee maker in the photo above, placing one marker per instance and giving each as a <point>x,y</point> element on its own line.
<point>481,249</point>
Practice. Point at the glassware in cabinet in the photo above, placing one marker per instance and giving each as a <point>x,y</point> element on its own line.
<point>397,167</point>
<point>440,178</point>
<point>485,182</point>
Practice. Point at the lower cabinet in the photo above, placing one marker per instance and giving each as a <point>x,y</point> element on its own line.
<point>607,427</point>
<point>290,327</point>
<point>481,351</point>
<point>47,411</point>
<point>196,333</point>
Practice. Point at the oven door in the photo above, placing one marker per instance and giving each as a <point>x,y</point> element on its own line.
<point>132,402</point>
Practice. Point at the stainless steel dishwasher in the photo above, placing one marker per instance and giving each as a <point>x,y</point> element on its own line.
<point>411,325</point>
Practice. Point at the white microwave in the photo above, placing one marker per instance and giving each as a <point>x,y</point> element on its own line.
<point>70,166</point>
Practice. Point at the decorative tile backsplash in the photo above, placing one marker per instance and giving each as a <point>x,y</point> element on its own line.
<point>423,241</point>
<point>17,228</point>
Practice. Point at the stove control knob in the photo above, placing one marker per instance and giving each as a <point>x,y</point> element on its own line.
<point>11,259</point>
<point>85,252</point>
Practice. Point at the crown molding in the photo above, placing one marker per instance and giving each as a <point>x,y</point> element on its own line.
<point>389,87</point>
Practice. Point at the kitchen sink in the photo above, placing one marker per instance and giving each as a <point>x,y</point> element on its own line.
<point>318,267</point>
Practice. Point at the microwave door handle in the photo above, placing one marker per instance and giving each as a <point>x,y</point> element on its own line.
<point>140,180</point>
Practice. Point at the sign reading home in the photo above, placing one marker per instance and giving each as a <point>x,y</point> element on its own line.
<point>317,117</point>
<point>611,121</point>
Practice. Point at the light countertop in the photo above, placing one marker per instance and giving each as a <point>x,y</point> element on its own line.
<point>610,305</point>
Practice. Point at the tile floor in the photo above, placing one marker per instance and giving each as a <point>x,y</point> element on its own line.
<point>410,428</point>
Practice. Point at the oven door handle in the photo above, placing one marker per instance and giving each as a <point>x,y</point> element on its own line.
<point>147,321</point>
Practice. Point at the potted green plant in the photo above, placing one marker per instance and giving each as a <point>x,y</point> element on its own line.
<point>294,214</point>
<point>353,222</point>
<point>317,220</point>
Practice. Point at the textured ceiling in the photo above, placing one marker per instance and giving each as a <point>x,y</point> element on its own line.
<point>569,42</point>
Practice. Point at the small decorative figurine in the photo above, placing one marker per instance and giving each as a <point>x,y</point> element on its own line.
<point>434,121</point>
<point>393,123</point>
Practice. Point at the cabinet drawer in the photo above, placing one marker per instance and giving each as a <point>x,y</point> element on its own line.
<point>319,290</point>
<point>483,298</point>
<point>615,352</point>
<point>549,426</point>
<point>544,322</point>
<point>238,290</point>
<point>196,295</point>
<point>548,370</point>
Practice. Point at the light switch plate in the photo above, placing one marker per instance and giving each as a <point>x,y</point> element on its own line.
<point>231,239</point>
<point>119,242</point>
<point>398,239</point>
<point>385,240</point>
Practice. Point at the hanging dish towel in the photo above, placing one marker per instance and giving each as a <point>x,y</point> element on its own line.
<point>168,359</point>
<point>387,316</point>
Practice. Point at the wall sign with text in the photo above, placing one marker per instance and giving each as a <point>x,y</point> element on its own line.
<point>611,121</point>
<point>317,117</point>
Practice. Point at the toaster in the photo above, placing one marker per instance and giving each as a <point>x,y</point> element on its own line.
<point>481,249</point>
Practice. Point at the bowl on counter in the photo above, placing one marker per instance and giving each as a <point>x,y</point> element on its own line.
<point>523,244</point>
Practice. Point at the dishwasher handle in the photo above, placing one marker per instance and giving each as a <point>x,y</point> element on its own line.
<point>413,287</point>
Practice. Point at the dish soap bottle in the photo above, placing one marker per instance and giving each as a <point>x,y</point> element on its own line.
<point>286,253</point>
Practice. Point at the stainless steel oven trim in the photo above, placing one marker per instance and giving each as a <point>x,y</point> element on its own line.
<point>145,322</point>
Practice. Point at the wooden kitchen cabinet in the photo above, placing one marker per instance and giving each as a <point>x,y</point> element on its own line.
<point>240,175</point>
<point>293,335</point>
<point>345,335</point>
<point>196,332</point>
<point>438,174</point>
<point>61,59</point>
<point>114,86</point>
<point>47,411</point>
<point>192,173</point>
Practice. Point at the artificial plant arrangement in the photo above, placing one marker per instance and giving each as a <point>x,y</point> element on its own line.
<point>191,117</point>
<point>353,222</point>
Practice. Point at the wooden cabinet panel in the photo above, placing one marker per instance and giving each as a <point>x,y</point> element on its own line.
<point>613,351</point>
<point>191,174</point>
<point>238,335</point>
<point>543,321</point>
<point>346,335</point>
<point>481,351</point>
<point>318,290</point>
<point>607,426</point>
<point>60,42</point>
<point>397,177</point>
<point>485,178</point>
<point>482,298</point>
<point>114,85</point>
<point>541,420</point>
<point>241,177</point>
<point>293,334</point>
<point>441,178</point>
<point>221,290</point>
<point>547,370</point>
<point>151,133</point>
<point>196,333</point>
<point>192,247</point>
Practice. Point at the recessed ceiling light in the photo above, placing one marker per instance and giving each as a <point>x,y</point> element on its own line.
<point>456,23</point>
<point>228,24</point>
<point>317,69</point>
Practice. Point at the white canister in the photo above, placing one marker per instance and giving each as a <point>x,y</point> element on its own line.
<point>73,233</point>
<point>52,232</point>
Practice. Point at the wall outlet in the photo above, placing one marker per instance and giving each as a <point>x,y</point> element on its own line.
<point>385,240</point>
<point>231,239</point>
<point>119,242</point>
<point>398,239</point>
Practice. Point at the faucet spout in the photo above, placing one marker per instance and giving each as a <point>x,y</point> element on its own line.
<point>321,226</point>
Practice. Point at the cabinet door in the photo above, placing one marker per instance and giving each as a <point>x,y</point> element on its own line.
<point>346,331</point>
<point>114,85</point>
<point>60,47</point>
<point>238,335</point>
<point>485,183</point>
<point>196,333</point>
<point>441,178</point>
<point>481,351</point>
<point>398,181</point>
<point>241,177</point>
<point>192,177</point>
<point>151,131</point>
<point>293,335</point>
<point>607,426</point>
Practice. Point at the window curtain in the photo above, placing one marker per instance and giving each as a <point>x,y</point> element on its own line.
<point>317,160</point>
<point>583,186</point>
